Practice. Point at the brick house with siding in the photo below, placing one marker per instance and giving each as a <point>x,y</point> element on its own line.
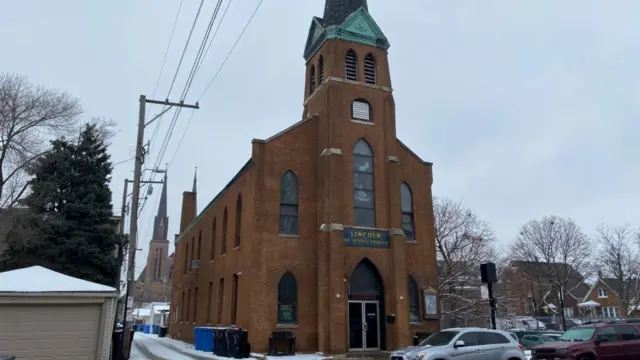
<point>327,230</point>
<point>606,292</point>
<point>532,282</point>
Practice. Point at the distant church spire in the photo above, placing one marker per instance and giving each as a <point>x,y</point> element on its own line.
<point>336,11</point>
<point>161,222</point>
<point>195,180</point>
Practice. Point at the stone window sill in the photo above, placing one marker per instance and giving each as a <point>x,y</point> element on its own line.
<point>363,122</point>
<point>287,326</point>
<point>411,241</point>
<point>223,255</point>
<point>415,324</point>
<point>236,248</point>
<point>289,236</point>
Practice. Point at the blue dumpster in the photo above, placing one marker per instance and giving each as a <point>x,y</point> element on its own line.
<point>196,338</point>
<point>140,327</point>
<point>206,339</point>
<point>154,329</point>
<point>146,329</point>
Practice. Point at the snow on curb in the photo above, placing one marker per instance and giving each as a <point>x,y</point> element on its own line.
<point>189,350</point>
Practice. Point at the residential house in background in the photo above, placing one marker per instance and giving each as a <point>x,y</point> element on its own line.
<point>607,296</point>
<point>538,284</point>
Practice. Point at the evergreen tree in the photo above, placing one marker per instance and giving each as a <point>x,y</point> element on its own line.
<point>70,203</point>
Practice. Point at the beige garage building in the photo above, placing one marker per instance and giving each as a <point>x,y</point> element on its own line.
<point>48,315</point>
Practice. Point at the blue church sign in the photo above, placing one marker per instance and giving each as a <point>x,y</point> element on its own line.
<point>366,238</point>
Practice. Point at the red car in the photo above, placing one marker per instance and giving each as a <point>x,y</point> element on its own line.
<point>615,340</point>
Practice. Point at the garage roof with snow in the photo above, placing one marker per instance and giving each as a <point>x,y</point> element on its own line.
<point>37,279</point>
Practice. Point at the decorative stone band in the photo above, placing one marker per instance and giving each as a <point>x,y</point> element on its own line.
<point>396,232</point>
<point>331,151</point>
<point>341,80</point>
<point>331,227</point>
<point>392,159</point>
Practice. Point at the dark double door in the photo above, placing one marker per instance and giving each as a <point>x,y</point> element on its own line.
<point>364,325</point>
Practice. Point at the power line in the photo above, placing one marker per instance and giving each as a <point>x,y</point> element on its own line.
<point>166,53</point>
<point>219,69</point>
<point>231,51</point>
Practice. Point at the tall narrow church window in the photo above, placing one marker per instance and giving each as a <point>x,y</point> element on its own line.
<point>370,69</point>
<point>223,247</point>
<point>234,310</point>
<point>288,204</point>
<point>363,185</point>
<point>212,246</point>
<point>360,110</point>
<point>312,79</point>
<point>320,70</point>
<point>406,198</point>
<point>414,301</point>
<point>193,248</point>
<point>287,299</point>
<point>351,65</point>
<point>236,242</point>
<point>186,257</point>
<point>195,305</point>
<point>199,244</point>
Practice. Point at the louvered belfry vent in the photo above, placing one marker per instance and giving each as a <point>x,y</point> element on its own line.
<point>351,64</point>
<point>320,70</point>
<point>360,110</point>
<point>312,79</point>
<point>370,69</point>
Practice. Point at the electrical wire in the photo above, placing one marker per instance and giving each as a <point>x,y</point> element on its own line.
<point>218,71</point>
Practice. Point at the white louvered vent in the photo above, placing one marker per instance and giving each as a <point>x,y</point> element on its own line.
<point>360,111</point>
<point>370,69</point>
<point>351,64</point>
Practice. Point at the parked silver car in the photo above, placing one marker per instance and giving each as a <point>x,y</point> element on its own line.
<point>464,344</point>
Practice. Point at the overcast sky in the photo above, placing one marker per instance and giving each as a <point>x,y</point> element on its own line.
<point>526,108</point>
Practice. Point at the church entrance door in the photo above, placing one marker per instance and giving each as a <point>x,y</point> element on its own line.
<point>365,308</point>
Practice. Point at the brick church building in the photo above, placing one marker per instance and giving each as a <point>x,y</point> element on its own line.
<point>327,230</point>
<point>154,282</point>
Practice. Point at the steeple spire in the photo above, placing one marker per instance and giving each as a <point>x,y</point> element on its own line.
<point>195,180</point>
<point>161,222</point>
<point>336,11</point>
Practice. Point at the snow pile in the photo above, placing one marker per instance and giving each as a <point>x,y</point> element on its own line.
<point>177,350</point>
<point>37,279</point>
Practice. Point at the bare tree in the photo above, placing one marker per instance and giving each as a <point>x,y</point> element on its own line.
<point>619,256</point>
<point>29,117</point>
<point>463,241</point>
<point>560,253</point>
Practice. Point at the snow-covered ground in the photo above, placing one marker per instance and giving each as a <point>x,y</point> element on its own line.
<point>171,349</point>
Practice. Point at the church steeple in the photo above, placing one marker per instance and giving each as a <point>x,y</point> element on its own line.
<point>161,222</point>
<point>347,20</point>
<point>336,11</point>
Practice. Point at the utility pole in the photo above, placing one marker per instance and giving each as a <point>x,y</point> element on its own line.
<point>135,201</point>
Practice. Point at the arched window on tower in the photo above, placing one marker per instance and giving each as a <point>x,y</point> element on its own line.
<point>414,301</point>
<point>236,242</point>
<point>407,211</point>
<point>287,299</point>
<point>363,185</point>
<point>288,204</point>
<point>312,79</point>
<point>370,69</point>
<point>320,70</point>
<point>223,245</point>
<point>351,65</point>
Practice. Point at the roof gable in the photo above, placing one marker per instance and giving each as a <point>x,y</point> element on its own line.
<point>38,279</point>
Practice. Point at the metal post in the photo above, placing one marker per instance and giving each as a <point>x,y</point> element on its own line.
<point>492,304</point>
<point>564,323</point>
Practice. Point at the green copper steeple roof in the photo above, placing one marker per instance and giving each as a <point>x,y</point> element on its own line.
<point>347,20</point>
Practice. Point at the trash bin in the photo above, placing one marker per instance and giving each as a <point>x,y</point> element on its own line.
<point>147,328</point>
<point>206,339</point>
<point>220,346</point>
<point>117,341</point>
<point>162,331</point>
<point>140,327</point>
